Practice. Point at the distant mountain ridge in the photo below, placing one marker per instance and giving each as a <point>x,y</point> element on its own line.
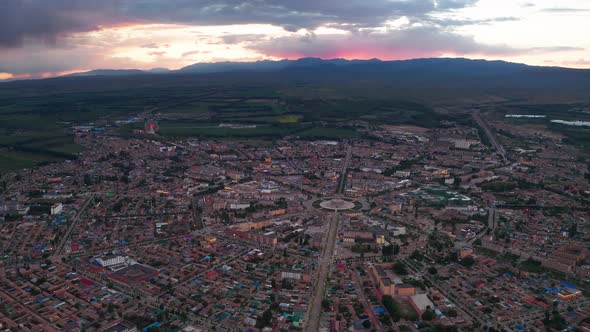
<point>428,75</point>
<point>375,64</point>
<point>427,68</point>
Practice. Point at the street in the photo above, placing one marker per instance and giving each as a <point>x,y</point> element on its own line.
<point>324,263</point>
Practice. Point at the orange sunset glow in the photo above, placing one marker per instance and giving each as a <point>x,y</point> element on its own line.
<point>111,36</point>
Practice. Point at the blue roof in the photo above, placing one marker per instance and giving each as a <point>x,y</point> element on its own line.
<point>566,285</point>
<point>550,289</point>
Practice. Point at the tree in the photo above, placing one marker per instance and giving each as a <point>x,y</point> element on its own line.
<point>432,270</point>
<point>573,229</point>
<point>468,261</point>
<point>387,250</point>
<point>400,268</point>
<point>264,320</point>
<point>392,307</point>
<point>326,304</point>
<point>417,255</point>
<point>366,324</point>
<point>428,315</point>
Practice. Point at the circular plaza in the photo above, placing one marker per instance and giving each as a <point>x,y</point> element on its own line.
<point>337,204</point>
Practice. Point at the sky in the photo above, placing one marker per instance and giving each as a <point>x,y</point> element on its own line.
<point>44,38</point>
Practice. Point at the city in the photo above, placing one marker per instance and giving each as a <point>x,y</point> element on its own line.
<point>294,166</point>
<point>402,227</point>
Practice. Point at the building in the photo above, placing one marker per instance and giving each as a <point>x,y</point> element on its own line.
<point>268,238</point>
<point>57,208</point>
<point>292,275</point>
<point>121,326</point>
<point>463,144</point>
<point>389,284</point>
<point>110,260</point>
<point>492,218</point>
<point>465,252</point>
<point>566,258</point>
<point>405,290</point>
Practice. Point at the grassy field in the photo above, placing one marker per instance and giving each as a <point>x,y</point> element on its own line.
<point>329,133</point>
<point>14,160</point>
<point>182,129</point>
<point>578,136</point>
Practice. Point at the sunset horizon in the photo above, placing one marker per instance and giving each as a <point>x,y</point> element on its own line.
<point>67,37</point>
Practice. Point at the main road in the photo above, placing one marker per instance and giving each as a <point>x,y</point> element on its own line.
<point>315,310</point>
<point>61,246</point>
<point>343,172</point>
<point>490,134</point>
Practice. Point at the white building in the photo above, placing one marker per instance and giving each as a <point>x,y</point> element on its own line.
<point>464,144</point>
<point>291,275</point>
<point>396,230</point>
<point>238,206</point>
<point>110,260</point>
<point>57,208</point>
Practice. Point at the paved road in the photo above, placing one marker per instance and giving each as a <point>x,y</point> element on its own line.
<point>343,172</point>
<point>62,243</point>
<point>315,309</point>
<point>490,134</point>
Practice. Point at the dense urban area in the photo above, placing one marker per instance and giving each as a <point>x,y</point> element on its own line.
<point>477,223</point>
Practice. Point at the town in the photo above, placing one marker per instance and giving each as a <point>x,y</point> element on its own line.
<point>455,227</point>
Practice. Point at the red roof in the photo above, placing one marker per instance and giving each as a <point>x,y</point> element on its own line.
<point>86,282</point>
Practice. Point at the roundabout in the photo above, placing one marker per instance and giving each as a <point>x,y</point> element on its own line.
<point>337,204</point>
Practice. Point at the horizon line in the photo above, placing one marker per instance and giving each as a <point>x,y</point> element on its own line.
<point>43,76</point>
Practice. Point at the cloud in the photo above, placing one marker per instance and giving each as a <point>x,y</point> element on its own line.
<point>451,22</point>
<point>185,54</point>
<point>426,41</point>
<point>39,36</point>
<point>35,59</point>
<point>564,10</point>
<point>233,39</point>
<point>553,49</point>
<point>22,20</point>
<point>45,20</point>
<point>577,63</point>
<point>151,45</point>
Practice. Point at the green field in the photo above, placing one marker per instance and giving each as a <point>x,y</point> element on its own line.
<point>330,133</point>
<point>577,136</point>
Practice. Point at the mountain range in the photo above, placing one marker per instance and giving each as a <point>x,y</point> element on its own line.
<point>429,72</point>
<point>455,66</point>
<point>419,77</point>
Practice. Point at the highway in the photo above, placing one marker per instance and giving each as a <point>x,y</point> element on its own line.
<point>477,117</point>
<point>314,313</point>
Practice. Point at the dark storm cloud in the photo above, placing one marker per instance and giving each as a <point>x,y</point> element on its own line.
<point>45,20</point>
